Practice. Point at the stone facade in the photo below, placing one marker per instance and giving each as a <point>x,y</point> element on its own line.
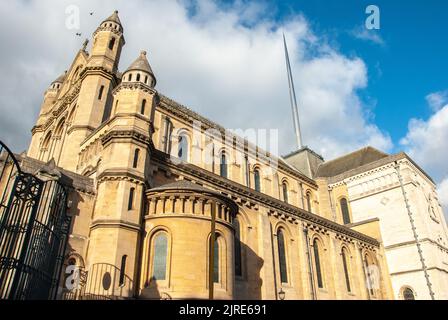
<point>145,175</point>
<point>394,190</point>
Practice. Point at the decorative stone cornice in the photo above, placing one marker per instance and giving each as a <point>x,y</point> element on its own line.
<point>115,223</point>
<point>118,33</point>
<point>190,202</point>
<point>122,175</point>
<point>230,188</point>
<point>98,70</point>
<point>125,134</point>
<point>186,114</point>
<point>135,86</point>
<point>78,127</point>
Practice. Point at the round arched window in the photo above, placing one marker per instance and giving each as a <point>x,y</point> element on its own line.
<point>408,294</point>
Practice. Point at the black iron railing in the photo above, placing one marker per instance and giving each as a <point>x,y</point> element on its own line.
<point>33,232</point>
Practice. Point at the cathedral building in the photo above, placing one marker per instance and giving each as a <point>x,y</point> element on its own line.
<point>167,204</point>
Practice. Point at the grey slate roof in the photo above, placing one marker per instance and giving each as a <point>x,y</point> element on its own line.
<point>350,161</point>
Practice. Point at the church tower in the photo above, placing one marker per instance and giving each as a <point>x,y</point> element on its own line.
<point>123,175</point>
<point>99,78</point>
<point>50,97</point>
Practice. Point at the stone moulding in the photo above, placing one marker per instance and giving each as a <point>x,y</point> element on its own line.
<point>135,86</point>
<point>247,194</point>
<point>188,115</point>
<point>188,191</point>
<point>130,134</point>
<point>111,29</point>
<point>115,224</point>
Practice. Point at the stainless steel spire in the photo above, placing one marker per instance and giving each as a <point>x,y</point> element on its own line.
<point>293,99</point>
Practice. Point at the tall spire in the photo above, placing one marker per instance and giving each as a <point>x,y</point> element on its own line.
<point>293,99</point>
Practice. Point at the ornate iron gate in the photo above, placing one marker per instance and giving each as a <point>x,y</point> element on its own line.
<point>33,232</point>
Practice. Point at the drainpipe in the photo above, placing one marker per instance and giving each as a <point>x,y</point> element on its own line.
<point>273,261</point>
<point>301,195</point>
<point>414,231</point>
<point>310,264</point>
<point>140,247</point>
<point>333,210</point>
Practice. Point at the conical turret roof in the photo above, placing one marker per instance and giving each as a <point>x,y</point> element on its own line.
<point>114,18</point>
<point>61,78</point>
<point>141,63</point>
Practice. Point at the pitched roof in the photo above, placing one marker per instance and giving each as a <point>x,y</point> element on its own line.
<point>114,18</point>
<point>350,161</point>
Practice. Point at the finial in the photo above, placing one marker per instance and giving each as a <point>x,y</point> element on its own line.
<point>84,45</point>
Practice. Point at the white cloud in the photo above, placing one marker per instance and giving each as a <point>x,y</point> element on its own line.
<point>442,190</point>
<point>226,63</point>
<point>437,100</point>
<point>373,35</point>
<point>426,142</point>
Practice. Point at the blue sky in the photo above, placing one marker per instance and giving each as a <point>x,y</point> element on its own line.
<point>411,63</point>
<point>225,60</point>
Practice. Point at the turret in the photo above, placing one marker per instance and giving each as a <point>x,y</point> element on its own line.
<point>136,94</point>
<point>51,94</point>
<point>126,154</point>
<point>140,71</point>
<point>50,98</point>
<point>98,80</point>
<point>108,41</point>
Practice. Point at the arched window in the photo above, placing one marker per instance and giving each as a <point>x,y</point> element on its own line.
<point>238,264</point>
<point>408,294</point>
<point>370,270</point>
<point>130,77</point>
<point>346,271</point>
<point>282,256</point>
<point>142,110</point>
<point>44,152</point>
<point>344,209</point>
<point>146,79</point>
<point>159,258</point>
<point>123,269</point>
<point>320,281</point>
<point>182,151</point>
<point>46,142</point>
<point>285,191</point>
<point>112,43</point>
<point>216,260</point>
<point>138,77</point>
<point>257,181</point>
<point>100,93</point>
<point>223,165</point>
<point>131,199</point>
<point>60,128</point>
<point>136,156</point>
<point>308,201</point>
